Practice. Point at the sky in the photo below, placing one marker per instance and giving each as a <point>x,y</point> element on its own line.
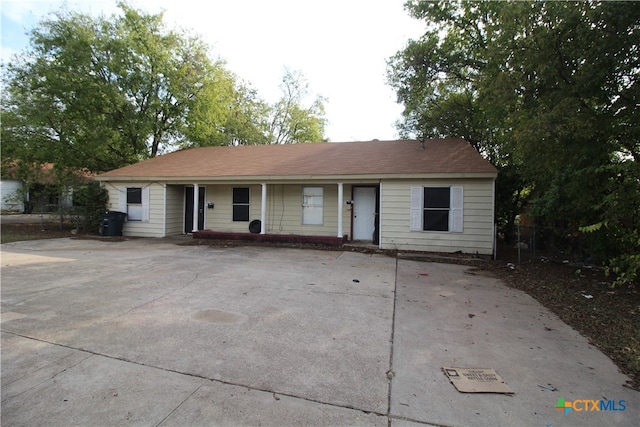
<point>340,46</point>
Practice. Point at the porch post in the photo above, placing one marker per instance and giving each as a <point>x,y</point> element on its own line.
<point>196,198</point>
<point>340,203</point>
<point>263,212</point>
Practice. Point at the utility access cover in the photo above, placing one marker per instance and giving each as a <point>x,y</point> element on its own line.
<point>476,380</point>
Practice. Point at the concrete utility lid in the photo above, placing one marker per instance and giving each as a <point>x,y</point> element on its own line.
<point>476,380</point>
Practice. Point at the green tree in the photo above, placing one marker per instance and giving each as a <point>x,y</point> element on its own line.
<point>93,200</point>
<point>240,120</point>
<point>290,122</point>
<point>440,79</point>
<point>548,89</point>
<point>100,93</point>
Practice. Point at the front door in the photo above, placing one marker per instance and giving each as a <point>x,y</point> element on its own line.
<point>188,209</point>
<point>364,213</point>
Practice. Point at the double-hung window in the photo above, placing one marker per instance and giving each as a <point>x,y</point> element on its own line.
<point>437,209</point>
<point>241,197</point>
<point>312,205</point>
<point>134,201</point>
<point>437,202</point>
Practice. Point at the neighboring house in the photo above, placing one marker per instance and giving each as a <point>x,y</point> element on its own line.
<point>436,195</point>
<point>35,193</point>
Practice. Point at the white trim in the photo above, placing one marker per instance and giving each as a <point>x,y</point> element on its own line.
<point>340,207</point>
<point>263,209</point>
<point>196,207</point>
<point>493,219</point>
<point>380,216</point>
<point>164,210</point>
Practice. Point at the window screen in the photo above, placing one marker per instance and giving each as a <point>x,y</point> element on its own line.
<point>134,195</point>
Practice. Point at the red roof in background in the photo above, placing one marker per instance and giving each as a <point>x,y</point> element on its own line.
<point>42,174</point>
<point>439,156</point>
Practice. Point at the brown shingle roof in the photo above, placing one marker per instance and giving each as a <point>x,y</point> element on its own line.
<point>348,158</point>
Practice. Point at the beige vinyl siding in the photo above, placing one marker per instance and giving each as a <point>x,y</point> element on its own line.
<point>174,210</point>
<point>477,234</point>
<point>284,213</point>
<point>284,209</point>
<point>220,218</point>
<point>152,228</point>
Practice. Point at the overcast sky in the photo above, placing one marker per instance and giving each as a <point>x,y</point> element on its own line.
<point>341,46</point>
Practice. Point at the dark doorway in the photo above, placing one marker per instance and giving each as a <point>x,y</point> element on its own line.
<point>188,209</point>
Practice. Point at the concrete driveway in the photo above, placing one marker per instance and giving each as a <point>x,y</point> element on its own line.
<point>146,332</point>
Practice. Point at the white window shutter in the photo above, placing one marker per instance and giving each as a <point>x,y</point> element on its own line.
<point>122,199</point>
<point>417,208</point>
<point>145,204</point>
<point>456,218</point>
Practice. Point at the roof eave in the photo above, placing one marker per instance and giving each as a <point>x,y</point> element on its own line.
<point>299,178</point>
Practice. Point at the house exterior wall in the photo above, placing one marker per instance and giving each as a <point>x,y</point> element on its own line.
<point>284,212</point>
<point>155,226</point>
<point>284,209</point>
<point>478,218</point>
<point>174,210</point>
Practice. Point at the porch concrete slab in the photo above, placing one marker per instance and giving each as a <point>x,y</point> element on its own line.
<point>147,332</point>
<point>454,315</point>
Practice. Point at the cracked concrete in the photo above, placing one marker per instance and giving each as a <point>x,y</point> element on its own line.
<point>145,332</point>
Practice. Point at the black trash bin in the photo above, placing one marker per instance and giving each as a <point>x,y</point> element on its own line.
<point>111,223</point>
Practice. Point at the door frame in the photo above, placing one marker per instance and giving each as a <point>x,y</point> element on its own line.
<point>188,208</point>
<point>376,230</point>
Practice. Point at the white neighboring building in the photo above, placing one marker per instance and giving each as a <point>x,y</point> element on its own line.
<point>10,198</point>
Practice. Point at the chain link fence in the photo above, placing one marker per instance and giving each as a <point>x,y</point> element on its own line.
<point>63,217</point>
<point>540,243</point>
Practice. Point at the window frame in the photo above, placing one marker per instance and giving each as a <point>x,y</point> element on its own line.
<point>437,212</point>
<point>418,207</point>
<point>310,219</point>
<point>236,206</point>
<point>134,206</point>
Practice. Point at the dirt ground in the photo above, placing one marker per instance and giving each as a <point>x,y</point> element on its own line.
<point>608,317</point>
<point>583,298</point>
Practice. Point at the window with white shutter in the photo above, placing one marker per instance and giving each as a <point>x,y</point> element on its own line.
<point>437,209</point>
<point>134,201</point>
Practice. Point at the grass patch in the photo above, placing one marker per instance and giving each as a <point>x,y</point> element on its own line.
<point>35,231</point>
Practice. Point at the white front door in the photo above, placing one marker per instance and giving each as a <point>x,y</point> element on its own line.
<point>364,213</point>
